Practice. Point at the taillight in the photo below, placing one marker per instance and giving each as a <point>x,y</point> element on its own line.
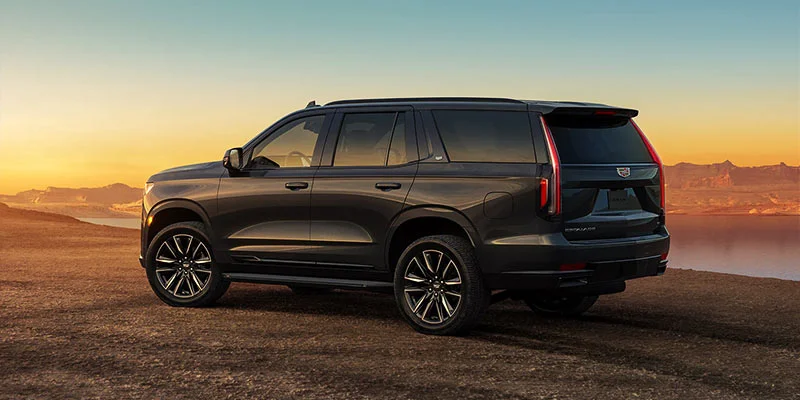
<point>544,192</point>
<point>554,192</point>
<point>657,160</point>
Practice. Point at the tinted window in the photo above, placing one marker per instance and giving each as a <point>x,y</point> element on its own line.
<point>486,136</point>
<point>292,145</point>
<point>597,140</point>
<point>364,139</point>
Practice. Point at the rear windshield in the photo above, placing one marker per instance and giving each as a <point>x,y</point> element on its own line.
<point>597,140</point>
<point>485,136</point>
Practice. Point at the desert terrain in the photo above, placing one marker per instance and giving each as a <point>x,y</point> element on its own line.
<point>78,320</point>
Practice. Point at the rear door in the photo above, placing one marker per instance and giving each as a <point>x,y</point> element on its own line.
<point>610,181</point>
<point>368,166</point>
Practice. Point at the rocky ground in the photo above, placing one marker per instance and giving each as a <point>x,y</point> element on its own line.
<point>78,320</point>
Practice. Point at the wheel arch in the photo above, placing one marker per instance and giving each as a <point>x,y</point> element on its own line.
<point>170,211</point>
<point>421,221</point>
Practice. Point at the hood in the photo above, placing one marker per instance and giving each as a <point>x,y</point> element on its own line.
<point>209,169</point>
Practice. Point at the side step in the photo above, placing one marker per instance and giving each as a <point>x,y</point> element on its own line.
<point>307,281</point>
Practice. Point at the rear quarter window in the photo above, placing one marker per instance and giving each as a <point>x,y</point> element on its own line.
<point>597,140</point>
<point>485,136</point>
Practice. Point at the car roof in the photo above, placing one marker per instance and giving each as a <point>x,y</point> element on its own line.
<point>542,106</point>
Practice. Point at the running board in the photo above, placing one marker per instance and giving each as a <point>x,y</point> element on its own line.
<point>307,281</point>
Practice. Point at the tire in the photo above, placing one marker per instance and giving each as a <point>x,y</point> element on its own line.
<point>553,306</point>
<point>195,262</point>
<point>423,295</point>
<point>309,291</point>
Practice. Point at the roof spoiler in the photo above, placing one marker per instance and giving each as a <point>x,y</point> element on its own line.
<point>594,111</point>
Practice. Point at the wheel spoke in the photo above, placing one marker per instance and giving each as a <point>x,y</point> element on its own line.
<point>169,282</point>
<point>166,260</point>
<point>178,286</point>
<point>419,303</point>
<point>194,253</point>
<point>438,310</point>
<point>427,260</point>
<point>449,293</point>
<point>204,261</point>
<point>162,270</point>
<point>419,266</point>
<point>177,244</point>
<point>438,263</point>
<point>189,246</point>
<point>446,304</point>
<point>196,280</point>
<point>190,286</point>
<point>170,249</point>
<point>205,271</point>
<point>415,279</point>
<point>427,307</point>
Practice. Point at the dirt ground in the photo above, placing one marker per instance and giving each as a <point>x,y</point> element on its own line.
<point>78,319</point>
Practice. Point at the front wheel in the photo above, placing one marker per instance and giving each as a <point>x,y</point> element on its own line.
<point>555,306</point>
<point>438,286</point>
<point>181,268</point>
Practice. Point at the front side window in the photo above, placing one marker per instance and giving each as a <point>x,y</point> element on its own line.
<point>365,139</point>
<point>486,136</point>
<point>292,145</point>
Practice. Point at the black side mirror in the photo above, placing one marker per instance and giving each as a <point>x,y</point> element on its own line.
<point>233,159</point>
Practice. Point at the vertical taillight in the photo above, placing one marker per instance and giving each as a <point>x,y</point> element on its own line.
<point>657,160</point>
<point>554,203</point>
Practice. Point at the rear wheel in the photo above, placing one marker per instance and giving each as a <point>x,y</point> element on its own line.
<point>181,268</point>
<point>555,306</point>
<point>438,286</point>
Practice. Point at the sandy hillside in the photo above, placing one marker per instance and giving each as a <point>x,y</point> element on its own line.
<point>78,320</point>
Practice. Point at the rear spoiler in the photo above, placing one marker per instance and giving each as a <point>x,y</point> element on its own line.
<point>592,111</point>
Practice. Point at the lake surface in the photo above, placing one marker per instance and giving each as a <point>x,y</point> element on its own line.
<point>132,223</point>
<point>762,246</point>
<point>766,246</point>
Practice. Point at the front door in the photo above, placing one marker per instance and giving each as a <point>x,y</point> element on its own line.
<point>263,211</point>
<point>367,169</point>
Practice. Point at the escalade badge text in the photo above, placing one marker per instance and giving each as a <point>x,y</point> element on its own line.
<point>624,171</point>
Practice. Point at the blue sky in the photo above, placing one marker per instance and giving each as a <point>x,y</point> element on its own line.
<point>121,74</point>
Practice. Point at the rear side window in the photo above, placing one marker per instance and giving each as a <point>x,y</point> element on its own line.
<point>597,140</point>
<point>485,136</point>
<point>366,140</point>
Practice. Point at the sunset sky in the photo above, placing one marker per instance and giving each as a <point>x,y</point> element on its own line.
<point>96,92</point>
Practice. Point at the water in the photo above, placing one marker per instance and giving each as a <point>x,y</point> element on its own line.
<point>131,223</point>
<point>745,245</point>
<point>765,246</point>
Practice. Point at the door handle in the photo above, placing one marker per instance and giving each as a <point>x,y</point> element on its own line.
<point>296,185</point>
<point>387,186</point>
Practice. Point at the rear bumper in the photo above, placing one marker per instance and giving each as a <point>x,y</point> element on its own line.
<point>534,264</point>
<point>598,278</point>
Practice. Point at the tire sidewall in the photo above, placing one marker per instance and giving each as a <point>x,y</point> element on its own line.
<point>150,266</point>
<point>458,319</point>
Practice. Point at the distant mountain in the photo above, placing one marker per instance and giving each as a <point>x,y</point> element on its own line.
<point>726,174</point>
<point>725,188</point>
<point>106,195</point>
<point>114,201</point>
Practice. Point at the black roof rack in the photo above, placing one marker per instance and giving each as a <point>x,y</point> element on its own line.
<point>427,99</point>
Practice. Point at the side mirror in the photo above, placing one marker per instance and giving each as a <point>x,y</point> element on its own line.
<point>233,159</point>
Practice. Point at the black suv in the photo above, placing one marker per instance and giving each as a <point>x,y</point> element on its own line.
<point>450,203</point>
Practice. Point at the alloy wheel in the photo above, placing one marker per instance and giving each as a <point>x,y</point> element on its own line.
<point>432,286</point>
<point>183,266</point>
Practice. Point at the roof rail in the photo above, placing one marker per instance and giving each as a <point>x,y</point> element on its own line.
<point>427,99</point>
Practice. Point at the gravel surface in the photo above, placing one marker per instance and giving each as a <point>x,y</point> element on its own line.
<point>78,319</point>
